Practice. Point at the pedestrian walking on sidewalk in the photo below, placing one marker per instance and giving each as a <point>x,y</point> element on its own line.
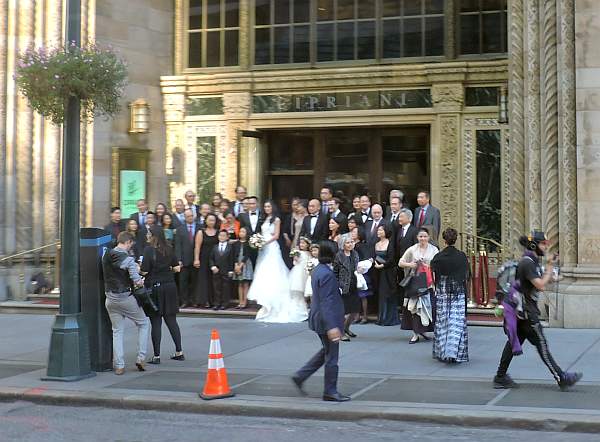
<point>326,319</point>
<point>121,274</point>
<point>530,281</point>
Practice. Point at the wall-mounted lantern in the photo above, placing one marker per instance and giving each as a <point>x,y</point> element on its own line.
<point>139,117</point>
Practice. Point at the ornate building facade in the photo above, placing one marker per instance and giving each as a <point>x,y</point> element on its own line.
<point>490,105</point>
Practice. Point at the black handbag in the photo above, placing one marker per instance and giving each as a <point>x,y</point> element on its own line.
<point>143,296</point>
<point>417,286</point>
<point>406,280</point>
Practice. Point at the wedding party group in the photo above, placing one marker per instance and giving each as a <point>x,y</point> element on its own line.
<point>387,261</point>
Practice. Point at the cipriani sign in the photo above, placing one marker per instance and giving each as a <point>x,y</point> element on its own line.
<point>342,101</point>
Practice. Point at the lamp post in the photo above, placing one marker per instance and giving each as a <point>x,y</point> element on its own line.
<point>69,353</point>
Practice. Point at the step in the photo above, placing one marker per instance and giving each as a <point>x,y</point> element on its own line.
<point>47,298</point>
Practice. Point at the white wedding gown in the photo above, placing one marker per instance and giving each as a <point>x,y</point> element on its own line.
<point>271,287</point>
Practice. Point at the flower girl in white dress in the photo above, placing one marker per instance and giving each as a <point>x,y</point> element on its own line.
<point>298,274</point>
<point>312,262</point>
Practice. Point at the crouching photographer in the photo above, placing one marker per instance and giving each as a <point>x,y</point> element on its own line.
<point>121,278</point>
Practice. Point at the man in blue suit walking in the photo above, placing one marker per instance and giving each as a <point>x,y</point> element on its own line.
<point>326,318</point>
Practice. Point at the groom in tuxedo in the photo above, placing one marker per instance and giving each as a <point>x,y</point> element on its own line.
<point>316,225</point>
<point>249,219</point>
<point>326,319</point>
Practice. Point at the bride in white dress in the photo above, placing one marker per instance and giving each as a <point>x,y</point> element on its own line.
<point>271,287</point>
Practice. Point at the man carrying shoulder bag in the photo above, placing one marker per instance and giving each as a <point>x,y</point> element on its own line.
<point>121,276</point>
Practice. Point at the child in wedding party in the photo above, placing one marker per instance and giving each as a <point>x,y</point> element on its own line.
<point>298,274</point>
<point>312,262</point>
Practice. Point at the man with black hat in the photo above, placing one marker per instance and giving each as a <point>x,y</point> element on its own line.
<point>531,280</point>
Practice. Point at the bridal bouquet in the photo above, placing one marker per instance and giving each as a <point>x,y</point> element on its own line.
<point>256,241</point>
<point>311,264</point>
<point>294,252</point>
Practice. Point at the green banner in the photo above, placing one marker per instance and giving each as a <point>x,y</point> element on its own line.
<point>133,188</point>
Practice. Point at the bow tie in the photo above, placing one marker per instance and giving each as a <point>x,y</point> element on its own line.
<point>314,216</point>
<point>252,213</point>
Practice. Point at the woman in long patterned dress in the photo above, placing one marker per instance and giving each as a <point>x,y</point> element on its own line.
<point>451,269</point>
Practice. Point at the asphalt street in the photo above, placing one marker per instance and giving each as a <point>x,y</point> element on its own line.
<point>23,421</point>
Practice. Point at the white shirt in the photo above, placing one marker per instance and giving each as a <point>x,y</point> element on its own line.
<point>222,246</point>
<point>313,223</point>
<point>405,229</point>
<point>237,208</point>
<point>253,220</point>
<point>375,225</point>
<point>394,217</point>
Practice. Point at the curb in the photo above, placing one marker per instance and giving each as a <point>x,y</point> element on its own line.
<point>514,418</point>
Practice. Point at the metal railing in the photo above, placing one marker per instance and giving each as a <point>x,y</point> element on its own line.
<point>49,262</point>
<point>484,254</point>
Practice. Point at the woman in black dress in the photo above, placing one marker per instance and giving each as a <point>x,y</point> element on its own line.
<point>158,266</point>
<point>205,242</point>
<point>365,252</point>
<point>385,278</point>
<point>344,267</point>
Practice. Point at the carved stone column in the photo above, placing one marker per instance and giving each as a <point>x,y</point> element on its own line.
<point>24,130</point>
<point>532,145</point>
<point>178,38</point>
<point>567,134</point>
<point>549,111</point>
<point>245,56</point>
<point>448,102</point>
<point>3,83</point>
<point>51,134</point>
<point>515,185</point>
<point>236,108</point>
<point>175,158</point>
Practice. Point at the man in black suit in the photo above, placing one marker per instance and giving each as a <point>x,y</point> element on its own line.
<point>221,264</point>
<point>178,214</point>
<point>336,214</point>
<point>190,198</point>
<point>184,250</point>
<point>394,194</point>
<point>249,219</point>
<point>237,206</point>
<point>365,208</point>
<point>394,211</point>
<point>326,319</point>
<point>140,215</point>
<point>406,233</point>
<point>427,216</point>
<point>326,199</point>
<point>316,225</point>
<point>374,223</point>
<point>115,226</point>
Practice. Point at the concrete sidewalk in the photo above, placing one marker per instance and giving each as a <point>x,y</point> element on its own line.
<point>386,377</point>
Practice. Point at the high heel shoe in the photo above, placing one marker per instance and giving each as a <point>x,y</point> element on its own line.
<point>345,338</point>
<point>177,357</point>
<point>413,340</point>
<point>349,333</point>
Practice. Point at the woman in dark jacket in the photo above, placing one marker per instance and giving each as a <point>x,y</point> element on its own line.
<point>365,252</point>
<point>344,267</point>
<point>158,266</point>
<point>451,270</point>
<point>385,277</point>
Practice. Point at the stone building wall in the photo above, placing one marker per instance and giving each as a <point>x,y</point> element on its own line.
<point>142,32</point>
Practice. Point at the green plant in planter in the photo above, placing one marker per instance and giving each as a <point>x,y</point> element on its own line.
<point>48,77</point>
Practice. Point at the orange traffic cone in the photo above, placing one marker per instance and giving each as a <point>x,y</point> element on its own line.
<point>216,386</point>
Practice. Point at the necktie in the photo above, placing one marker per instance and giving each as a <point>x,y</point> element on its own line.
<point>421,217</point>
<point>374,229</point>
<point>403,232</point>
<point>142,219</point>
<point>222,247</point>
<point>191,234</point>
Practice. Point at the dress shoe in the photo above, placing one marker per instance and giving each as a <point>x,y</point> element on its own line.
<point>119,371</point>
<point>155,360</point>
<point>298,383</point>
<point>351,334</point>
<point>179,357</point>
<point>336,398</point>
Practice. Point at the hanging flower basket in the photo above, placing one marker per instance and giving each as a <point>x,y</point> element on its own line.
<point>49,77</point>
